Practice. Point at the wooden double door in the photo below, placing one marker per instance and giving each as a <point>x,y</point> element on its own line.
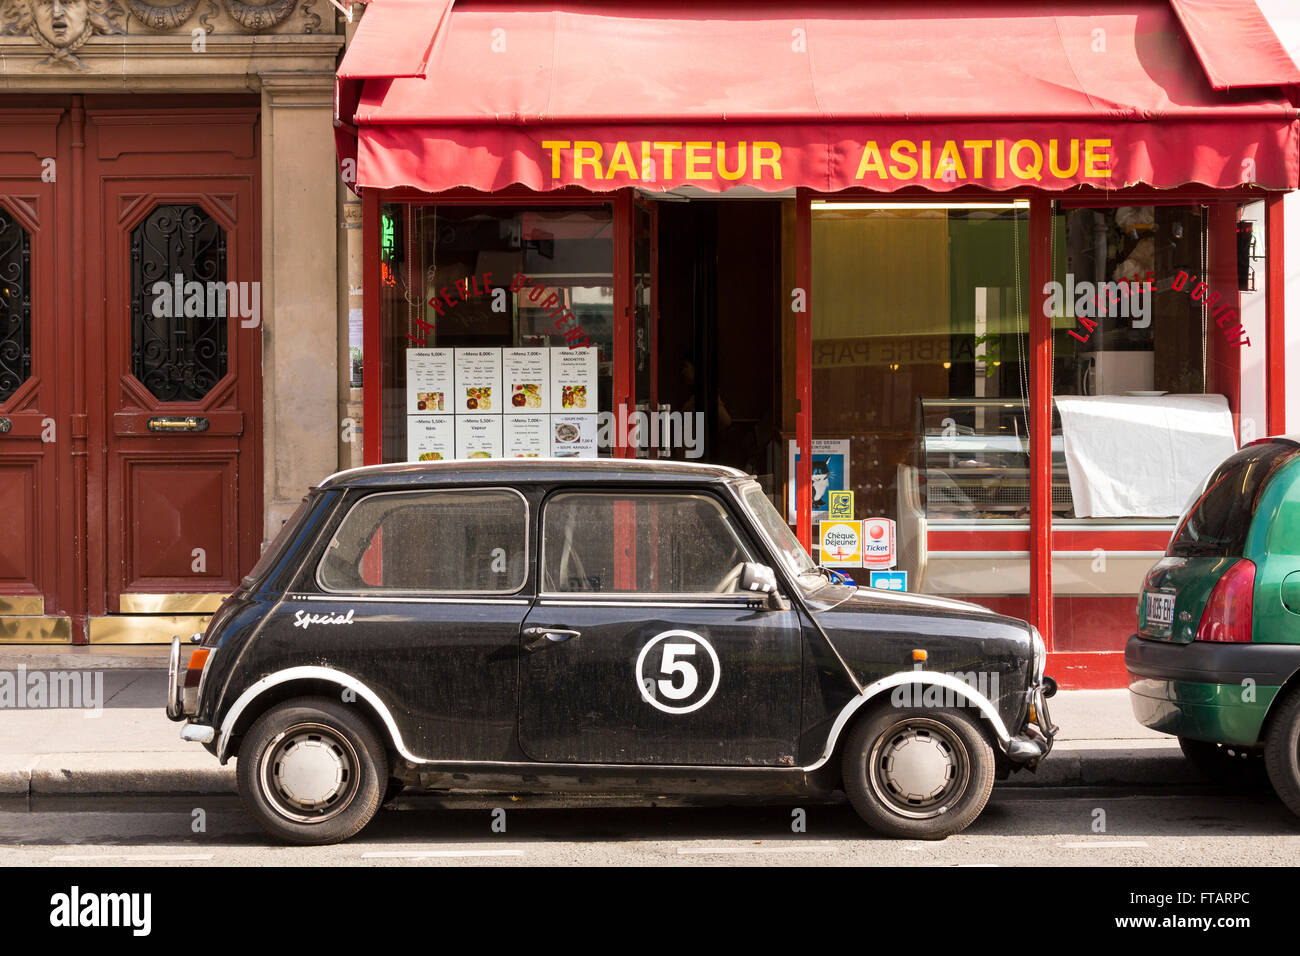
<point>130,365</point>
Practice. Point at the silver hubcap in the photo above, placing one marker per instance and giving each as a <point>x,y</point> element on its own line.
<point>918,768</point>
<point>309,773</point>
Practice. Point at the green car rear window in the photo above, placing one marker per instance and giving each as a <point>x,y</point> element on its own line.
<point>1216,525</point>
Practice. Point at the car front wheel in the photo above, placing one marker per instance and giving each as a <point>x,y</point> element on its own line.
<point>1282,752</point>
<point>312,771</point>
<point>918,773</point>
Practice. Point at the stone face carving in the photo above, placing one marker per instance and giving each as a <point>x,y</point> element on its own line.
<point>62,27</point>
<point>257,15</point>
<point>157,17</point>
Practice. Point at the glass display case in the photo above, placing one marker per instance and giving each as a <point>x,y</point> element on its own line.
<point>972,460</point>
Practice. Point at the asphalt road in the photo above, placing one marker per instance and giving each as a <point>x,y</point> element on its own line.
<point>1042,827</point>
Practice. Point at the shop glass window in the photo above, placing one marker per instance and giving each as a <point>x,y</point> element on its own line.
<point>1145,302</point>
<point>920,360</point>
<point>430,541</point>
<point>658,544</point>
<point>497,328</point>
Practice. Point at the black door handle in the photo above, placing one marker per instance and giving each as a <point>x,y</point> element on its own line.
<point>547,637</point>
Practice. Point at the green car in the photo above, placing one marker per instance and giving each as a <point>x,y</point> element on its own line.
<point>1216,660</point>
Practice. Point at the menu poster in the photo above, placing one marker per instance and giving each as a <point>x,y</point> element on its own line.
<point>526,380</point>
<point>428,381</point>
<point>430,438</point>
<point>527,436</point>
<point>478,436</point>
<point>573,436</point>
<point>573,380</point>
<point>478,382</point>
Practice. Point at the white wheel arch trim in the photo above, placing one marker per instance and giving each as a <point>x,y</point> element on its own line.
<point>310,673</point>
<point>933,678</point>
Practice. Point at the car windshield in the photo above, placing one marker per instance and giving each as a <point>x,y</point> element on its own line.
<point>788,548</point>
<point>1216,524</point>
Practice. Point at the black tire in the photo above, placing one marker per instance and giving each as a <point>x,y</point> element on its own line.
<point>298,746</point>
<point>1225,763</point>
<point>1282,752</point>
<point>870,768</point>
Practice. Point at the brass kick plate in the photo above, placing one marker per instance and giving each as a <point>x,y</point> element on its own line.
<point>145,628</point>
<point>170,603</point>
<point>22,604</point>
<point>35,630</point>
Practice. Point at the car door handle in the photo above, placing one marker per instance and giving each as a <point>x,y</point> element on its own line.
<point>547,637</point>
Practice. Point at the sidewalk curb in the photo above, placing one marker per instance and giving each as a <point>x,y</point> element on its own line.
<point>160,774</point>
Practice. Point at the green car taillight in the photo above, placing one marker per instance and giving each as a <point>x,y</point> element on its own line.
<point>1227,615</point>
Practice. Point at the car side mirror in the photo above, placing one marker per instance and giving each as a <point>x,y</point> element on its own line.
<point>762,579</point>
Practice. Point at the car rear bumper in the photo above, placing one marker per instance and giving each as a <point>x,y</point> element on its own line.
<point>1213,692</point>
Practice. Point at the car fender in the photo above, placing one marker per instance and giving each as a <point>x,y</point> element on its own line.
<point>902,679</point>
<point>312,672</point>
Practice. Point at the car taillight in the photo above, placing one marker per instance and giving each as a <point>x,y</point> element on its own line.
<point>193,680</point>
<point>1227,615</point>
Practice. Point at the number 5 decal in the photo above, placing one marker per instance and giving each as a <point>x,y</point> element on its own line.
<point>668,672</point>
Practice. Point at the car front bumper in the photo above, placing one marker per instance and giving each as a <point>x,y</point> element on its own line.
<point>1207,691</point>
<point>1034,742</point>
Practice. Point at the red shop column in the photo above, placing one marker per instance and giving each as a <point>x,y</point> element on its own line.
<point>803,368</point>
<point>1040,421</point>
<point>1274,312</point>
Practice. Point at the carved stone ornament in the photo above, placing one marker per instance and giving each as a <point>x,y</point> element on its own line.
<point>159,17</point>
<point>258,15</point>
<point>62,27</point>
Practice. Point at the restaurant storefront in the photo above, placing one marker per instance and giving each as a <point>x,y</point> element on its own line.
<point>893,252</point>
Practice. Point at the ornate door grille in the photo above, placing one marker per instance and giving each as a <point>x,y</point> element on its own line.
<point>15,306</point>
<point>179,303</point>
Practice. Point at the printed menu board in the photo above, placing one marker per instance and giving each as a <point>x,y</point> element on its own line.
<point>478,436</point>
<point>428,381</point>
<point>478,382</point>
<point>430,438</point>
<point>526,376</point>
<point>493,403</point>
<point>527,436</point>
<point>573,436</point>
<point>573,380</point>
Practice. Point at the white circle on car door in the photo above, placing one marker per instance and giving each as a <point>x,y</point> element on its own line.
<point>677,672</point>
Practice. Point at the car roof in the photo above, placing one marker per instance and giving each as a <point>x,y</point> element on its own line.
<point>528,471</point>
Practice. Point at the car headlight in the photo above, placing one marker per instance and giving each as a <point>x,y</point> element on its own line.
<point>1040,655</point>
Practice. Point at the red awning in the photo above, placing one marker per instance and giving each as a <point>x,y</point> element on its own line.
<point>829,95</point>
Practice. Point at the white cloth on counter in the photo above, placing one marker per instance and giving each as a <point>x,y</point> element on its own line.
<point>1131,457</point>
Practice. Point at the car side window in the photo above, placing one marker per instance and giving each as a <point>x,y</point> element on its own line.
<point>653,543</point>
<point>452,541</point>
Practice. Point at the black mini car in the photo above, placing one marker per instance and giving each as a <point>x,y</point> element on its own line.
<point>611,626</point>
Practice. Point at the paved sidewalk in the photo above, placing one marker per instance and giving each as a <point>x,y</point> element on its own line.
<point>130,747</point>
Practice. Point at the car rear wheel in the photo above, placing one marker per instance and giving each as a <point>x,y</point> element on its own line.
<point>312,771</point>
<point>918,773</point>
<point>1224,763</point>
<point>1282,752</point>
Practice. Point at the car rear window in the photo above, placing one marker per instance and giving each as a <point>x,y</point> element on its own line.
<point>1217,522</point>
<point>444,541</point>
